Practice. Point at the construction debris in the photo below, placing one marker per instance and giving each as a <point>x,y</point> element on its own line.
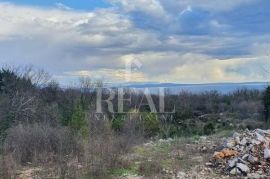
<point>245,154</point>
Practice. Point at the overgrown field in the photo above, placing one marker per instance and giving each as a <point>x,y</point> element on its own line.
<point>50,132</point>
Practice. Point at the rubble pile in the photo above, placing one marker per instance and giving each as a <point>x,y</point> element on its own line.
<point>245,154</point>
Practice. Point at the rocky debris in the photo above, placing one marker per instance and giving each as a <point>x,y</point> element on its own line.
<point>225,153</point>
<point>242,167</point>
<point>245,154</point>
<point>266,153</point>
<point>181,175</point>
<point>232,163</point>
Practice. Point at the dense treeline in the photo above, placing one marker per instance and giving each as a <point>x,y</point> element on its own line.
<point>42,123</point>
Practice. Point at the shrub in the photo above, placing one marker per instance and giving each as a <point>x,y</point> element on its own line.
<point>8,167</point>
<point>38,143</point>
<point>118,123</point>
<point>102,149</point>
<point>266,103</point>
<point>78,122</point>
<point>209,129</point>
<point>150,168</point>
<point>151,124</point>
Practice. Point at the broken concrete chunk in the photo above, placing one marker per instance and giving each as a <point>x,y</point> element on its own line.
<point>235,171</point>
<point>266,153</point>
<point>259,137</point>
<point>236,134</point>
<point>252,159</point>
<point>244,168</point>
<point>245,157</point>
<point>237,139</point>
<point>246,153</point>
<point>232,162</point>
<point>230,144</point>
<point>262,132</point>
<point>243,141</point>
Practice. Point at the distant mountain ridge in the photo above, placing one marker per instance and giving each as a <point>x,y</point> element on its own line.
<point>196,88</point>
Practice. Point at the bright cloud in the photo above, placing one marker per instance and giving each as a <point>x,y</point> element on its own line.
<point>175,41</point>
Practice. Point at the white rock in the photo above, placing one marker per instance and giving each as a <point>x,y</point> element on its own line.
<point>262,132</point>
<point>245,156</point>
<point>236,134</point>
<point>232,162</point>
<point>256,142</point>
<point>243,161</point>
<point>230,144</point>
<point>237,139</point>
<point>243,141</point>
<point>259,137</point>
<point>252,159</point>
<point>244,168</point>
<point>266,153</point>
<point>235,171</point>
<point>181,175</point>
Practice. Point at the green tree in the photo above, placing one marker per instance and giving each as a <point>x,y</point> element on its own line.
<point>118,123</point>
<point>266,103</point>
<point>151,124</point>
<point>78,120</point>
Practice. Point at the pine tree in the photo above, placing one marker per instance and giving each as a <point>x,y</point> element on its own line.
<point>78,120</point>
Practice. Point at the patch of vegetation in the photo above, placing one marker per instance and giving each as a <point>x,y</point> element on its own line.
<point>124,172</point>
<point>150,167</point>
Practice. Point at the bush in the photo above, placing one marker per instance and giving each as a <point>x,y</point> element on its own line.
<point>102,149</point>
<point>150,168</point>
<point>118,123</point>
<point>209,129</point>
<point>38,143</point>
<point>151,124</point>
<point>78,122</point>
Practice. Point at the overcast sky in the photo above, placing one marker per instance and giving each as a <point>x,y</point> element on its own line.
<point>181,41</point>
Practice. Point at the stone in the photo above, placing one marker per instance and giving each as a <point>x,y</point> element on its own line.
<point>243,141</point>
<point>252,159</point>
<point>245,153</point>
<point>259,137</point>
<point>266,153</point>
<point>235,171</point>
<point>262,132</point>
<point>181,175</point>
<point>255,142</point>
<point>230,144</point>
<point>237,139</point>
<point>242,161</point>
<point>232,162</point>
<point>245,157</point>
<point>244,168</point>
<point>236,134</point>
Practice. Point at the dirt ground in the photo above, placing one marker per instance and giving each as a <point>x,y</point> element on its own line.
<point>175,158</point>
<point>179,158</point>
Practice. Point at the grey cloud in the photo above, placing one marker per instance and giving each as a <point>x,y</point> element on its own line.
<point>70,43</point>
